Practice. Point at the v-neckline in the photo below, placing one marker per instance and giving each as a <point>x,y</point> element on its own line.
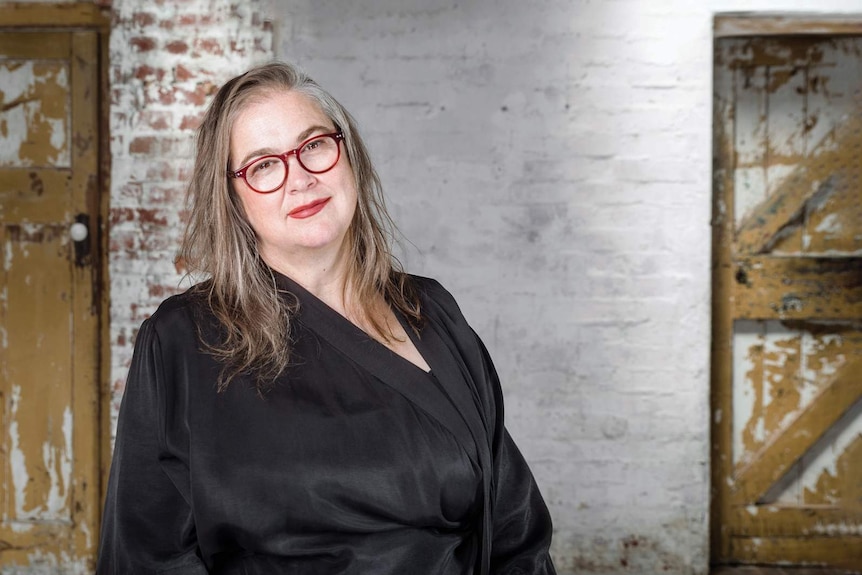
<point>307,298</point>
<point>431,390</point>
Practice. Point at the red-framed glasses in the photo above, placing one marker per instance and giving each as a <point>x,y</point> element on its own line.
<point>316,155</point>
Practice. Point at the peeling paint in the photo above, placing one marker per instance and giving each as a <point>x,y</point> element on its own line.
<point>85,529</point>
<point>829,225</point>
<point>57,462</point>
<point>35,110</point>
<point>45,563</point>
<point>834,529</point>
<point>8,257</point>
<point>17,461</point>
<point>831,473</point>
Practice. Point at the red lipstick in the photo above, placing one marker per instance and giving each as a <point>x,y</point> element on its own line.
<point>308,210</point>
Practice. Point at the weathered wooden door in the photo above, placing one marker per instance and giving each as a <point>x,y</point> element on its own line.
<point>787,339</point>
<point>49,203</point>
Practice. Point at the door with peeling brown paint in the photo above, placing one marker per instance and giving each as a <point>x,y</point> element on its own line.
<point>787,301</point>
<point>49,441</point>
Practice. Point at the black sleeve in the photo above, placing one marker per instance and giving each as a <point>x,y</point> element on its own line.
<point>148,523</point>
<point>522,526</point>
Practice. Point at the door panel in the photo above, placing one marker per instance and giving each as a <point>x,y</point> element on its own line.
<point>49,379</point>
<point>787,301</point>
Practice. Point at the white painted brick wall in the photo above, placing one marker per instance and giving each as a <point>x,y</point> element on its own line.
<point>166,59</point>
<point>551,164</point>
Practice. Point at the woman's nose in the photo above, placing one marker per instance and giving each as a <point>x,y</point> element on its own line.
<point>298,178</point>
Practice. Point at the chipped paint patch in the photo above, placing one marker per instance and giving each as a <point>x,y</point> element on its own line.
<point>764,354</point>
<point>48,563</point>
<point>57,461</point>
<point>8,256</point>
<point>836,529</point>
<point>829,225</point>
<point>830,472</point>
<point>34,107</point>
<point>85,529</point>
<point>17,461</point>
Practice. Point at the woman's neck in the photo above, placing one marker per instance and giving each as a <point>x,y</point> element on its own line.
<point>326,276</point>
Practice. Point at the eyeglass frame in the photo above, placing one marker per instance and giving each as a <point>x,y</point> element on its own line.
<point>240,173</point>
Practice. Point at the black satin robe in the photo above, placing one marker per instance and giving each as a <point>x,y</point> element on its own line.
<point>356,462</point>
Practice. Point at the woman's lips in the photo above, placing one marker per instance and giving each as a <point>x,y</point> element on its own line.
<point>308,210</point>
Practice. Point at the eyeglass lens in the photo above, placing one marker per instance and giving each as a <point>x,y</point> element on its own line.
<point>316,155</point>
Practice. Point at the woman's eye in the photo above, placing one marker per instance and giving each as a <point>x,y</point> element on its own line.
<point>313,145</point>
<point>262,166</point>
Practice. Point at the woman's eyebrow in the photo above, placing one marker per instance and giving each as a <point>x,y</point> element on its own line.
<point>309,131</point>
<point>256,154</point>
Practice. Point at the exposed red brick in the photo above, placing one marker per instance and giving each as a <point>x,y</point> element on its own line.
<point>184,173</point>
<point>166,96</point>
<point>143,19</point>
<point>120,215</point>
<point>159,291</point>
<point>139,313</point>
<point>155,245</point>
<point>167,195</point>
<point>156,119</point>
<point>191,122</point>
<point>209,46</point>
<point>146,216</point>
<point>131,191</point>
<point>177,47</point>
<point>143,43</point>
<point>144,72</point>
<point>202,91</point>
<point>151,216</point>
<point>162,171</point>
<point>181,73</point>
<point>142,145</point>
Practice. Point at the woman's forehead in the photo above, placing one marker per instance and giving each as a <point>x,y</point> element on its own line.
<point>278,119</point>
<point>283,103</point>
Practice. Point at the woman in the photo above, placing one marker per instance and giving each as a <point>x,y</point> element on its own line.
<point>309,408</point>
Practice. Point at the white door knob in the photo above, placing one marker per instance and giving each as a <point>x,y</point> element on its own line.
<point>78,232</point>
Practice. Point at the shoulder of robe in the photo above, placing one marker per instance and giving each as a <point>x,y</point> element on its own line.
<point>439,298</point>
<point>180,317</point>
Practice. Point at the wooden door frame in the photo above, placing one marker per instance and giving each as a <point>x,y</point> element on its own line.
<point>739,25</point>
<point>92,17</point>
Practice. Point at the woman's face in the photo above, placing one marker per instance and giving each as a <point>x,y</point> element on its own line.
<point>305,221</point>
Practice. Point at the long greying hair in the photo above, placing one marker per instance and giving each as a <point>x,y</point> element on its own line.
<point>220,243</point>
